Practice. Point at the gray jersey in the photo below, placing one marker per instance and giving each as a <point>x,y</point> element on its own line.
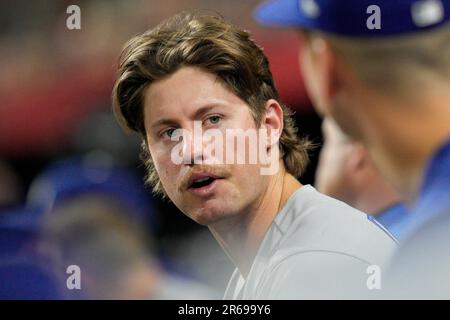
<point>316,247</point>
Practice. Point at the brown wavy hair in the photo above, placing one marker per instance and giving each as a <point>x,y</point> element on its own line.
<point>216,46</point>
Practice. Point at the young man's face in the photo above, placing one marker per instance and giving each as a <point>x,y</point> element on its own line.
<point>182,100</point>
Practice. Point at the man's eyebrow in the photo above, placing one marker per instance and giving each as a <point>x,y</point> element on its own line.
<point>197,114</point>
<point>163,121</point>
<point>205,109</point>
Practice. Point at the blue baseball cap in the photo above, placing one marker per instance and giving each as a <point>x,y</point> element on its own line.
<point>68,178</point>
<point>356,18</point>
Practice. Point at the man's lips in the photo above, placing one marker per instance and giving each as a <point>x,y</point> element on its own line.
<point>198,180</point>
<point>205,189</point>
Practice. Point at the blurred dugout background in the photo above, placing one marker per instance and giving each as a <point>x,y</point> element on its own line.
<point>59,141</point>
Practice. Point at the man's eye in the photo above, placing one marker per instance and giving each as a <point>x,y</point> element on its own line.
<point>214,119</point>
<point>169,132</point>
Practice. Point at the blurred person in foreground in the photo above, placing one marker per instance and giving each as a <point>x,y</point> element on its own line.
<point>198,72</point>
<point>93,195</point>
<point>112,251</point>
<point>346,172</point>
<point>23,274</point>
<point>381,70</point>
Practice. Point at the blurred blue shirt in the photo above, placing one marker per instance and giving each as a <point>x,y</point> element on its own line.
<point>392,219</point>
<point>434,195</point>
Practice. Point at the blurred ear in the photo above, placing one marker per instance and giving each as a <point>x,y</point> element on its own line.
<point>327,66</point>
<point>319,66</point>
<point>339,77</point>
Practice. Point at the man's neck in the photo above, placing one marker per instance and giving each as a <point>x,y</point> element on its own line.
<point>241,237</point>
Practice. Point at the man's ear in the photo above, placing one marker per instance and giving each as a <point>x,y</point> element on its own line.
<point>320,69</point>
<point>327,68</point>
<point>272,121</point>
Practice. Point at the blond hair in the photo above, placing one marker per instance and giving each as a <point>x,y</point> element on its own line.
<point>398,65</point>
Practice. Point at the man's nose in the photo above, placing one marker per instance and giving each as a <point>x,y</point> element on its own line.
<point>192,148</point>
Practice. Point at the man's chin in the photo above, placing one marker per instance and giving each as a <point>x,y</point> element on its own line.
<point>207,219</point>
<point>208,216</point>
<point>204,212</point>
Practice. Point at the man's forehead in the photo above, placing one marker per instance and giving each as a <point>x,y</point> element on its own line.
<point>197,113</point>
<point>188,92</point>
<point>187,84</point>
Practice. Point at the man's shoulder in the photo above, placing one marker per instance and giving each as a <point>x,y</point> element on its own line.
<point>315,274</point>
<point>318,222</point>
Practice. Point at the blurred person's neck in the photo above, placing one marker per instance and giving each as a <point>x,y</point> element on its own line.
<point>406,135</point>
<point>241,237</point>
<point>375,196</point>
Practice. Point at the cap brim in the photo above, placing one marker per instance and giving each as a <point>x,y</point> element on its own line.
<point>279,13</point>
